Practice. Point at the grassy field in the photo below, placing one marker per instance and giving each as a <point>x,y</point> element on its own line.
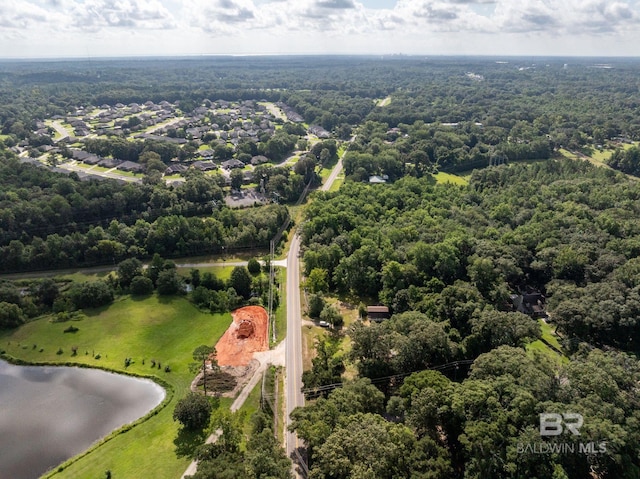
<point>165,329</point>
<point>442,177</point>
<point>382,102</point>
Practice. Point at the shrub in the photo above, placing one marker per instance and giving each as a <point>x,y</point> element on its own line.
<point>141,286</point>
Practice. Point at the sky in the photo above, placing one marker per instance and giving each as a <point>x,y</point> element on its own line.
<point>114,28</point>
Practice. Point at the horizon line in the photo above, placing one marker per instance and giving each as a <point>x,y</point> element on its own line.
<point>257,55</point>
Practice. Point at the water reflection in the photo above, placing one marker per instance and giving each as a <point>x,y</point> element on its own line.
<point>49,414</point>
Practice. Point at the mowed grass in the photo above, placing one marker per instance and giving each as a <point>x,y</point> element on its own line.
<point>166,329</point>
<point>442,177</point>
<point>337,183</point>
<point>548,335</point>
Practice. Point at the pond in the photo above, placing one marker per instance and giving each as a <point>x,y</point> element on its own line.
<point>49,414</point>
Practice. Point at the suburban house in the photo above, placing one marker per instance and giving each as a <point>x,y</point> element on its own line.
<point>233,163</point>
<point>173,169</point>
<point>319,131</point>
<point>130,166</point>
<point>531,303</point>
<point>204,165</point>
<point>378,313</point>
<point>259,159</point>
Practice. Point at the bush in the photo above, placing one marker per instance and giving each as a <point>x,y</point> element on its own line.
<point>91,295</point>
<point>169,282</point>
<point>253,266</point>
<point>331,315</point>
<point>141,286</point>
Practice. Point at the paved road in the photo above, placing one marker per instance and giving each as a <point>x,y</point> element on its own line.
<point>293,357</point>
<point>105,269</point>
<point>62,131</point>
<point>336,169</point>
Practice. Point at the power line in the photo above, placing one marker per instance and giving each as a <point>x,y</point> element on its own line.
<point>442,367</point>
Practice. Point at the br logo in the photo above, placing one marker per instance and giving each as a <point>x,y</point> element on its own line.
<point>551,424</point>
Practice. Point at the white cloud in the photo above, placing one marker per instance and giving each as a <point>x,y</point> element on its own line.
<point>328,26</point>
<point>134,14</point>
<point>16,14</point>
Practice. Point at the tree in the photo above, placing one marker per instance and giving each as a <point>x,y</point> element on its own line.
<point>253,266</point>
<point>201,354</point>
<point>141,286</point>
<point>127,270</point>
<point>236,179</point>
<point>316,305</point>
<point>10,315</point>
<point>169,282</point>
<point>47,292</point>
<point>91,294</point>
<point>317,281</point>
<point>331,315</point>
<point>193,411</point>
<point>240,280</point>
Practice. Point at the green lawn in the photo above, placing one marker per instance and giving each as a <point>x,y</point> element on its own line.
<point>601,156</point>
<point>166,329</point>
<point>337,183</point>
<point>442,177</point>
<point>549,336</point>
<point>221,272</point>
<point>250,406</point>
<point>281,311</point>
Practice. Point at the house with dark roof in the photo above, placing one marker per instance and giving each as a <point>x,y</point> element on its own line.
<point>173,169</point>
<point>259,160</point>
<point>130,166</point>
<point>231,164</point>
<point>109,162</point>
<point>319,131</point>
<point>378,313</point>
<point>204,165</point>
<point>532,303</point>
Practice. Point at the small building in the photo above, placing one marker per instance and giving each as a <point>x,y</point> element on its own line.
<point>375,179</point>
<point>378,313</point>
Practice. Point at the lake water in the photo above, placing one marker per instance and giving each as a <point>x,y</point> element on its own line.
<point>49,414</point>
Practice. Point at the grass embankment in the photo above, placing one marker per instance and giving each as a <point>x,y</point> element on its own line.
<point>281,310</point>
<point>550,337</point>
<point>164,329</point>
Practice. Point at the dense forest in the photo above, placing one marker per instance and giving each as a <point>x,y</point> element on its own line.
<point>49,220</point>
<point>448,261</point>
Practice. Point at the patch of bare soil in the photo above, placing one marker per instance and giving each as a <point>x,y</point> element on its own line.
<point>246,335</point>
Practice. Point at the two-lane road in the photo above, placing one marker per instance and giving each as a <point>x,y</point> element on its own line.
<point>293,358</point>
